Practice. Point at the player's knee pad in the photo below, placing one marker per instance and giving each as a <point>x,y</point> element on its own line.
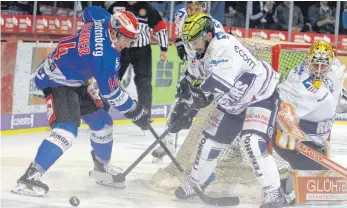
<point>263,164</point>
<point>205,159</point>
<point>98,120</point>
<point>63,136</point>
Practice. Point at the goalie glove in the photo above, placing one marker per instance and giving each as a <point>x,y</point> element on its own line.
<point>286,141</point>
<point>181,117</point>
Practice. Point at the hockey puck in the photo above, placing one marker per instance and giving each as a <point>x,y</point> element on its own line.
<point>74,201</point>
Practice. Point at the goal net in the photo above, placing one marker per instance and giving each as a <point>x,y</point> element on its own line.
<point>233,173</point>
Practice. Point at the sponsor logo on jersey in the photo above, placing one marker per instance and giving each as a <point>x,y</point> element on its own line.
<point>198,154</point>
<point>300,69</point>
<point>102,139</point>
<point>59,138</point>
<point>99,29</point>
<point>321,99</point>
<point>179,15</point>
<point>309,86</point>
<point>329,84</point>
<point>255,166</point>
<point>216,62</point>
<point>245,57</point>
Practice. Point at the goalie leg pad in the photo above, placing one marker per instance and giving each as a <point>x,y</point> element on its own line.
<point>298,161</point>
<point>263,165</point>
<point>205,159</point>
<point>101,139</point>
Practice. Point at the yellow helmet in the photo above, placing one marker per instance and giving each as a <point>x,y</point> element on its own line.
<point>197,26</point>
<point>320,57</point>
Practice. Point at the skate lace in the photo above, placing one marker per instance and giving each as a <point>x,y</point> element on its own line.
<point>34,176</point>
<point>188,190</point>
<point>112,169</point>
<point>272,197</point>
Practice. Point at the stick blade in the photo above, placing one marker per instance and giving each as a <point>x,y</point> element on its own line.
<point>106,177</point>
<point>221,201</point>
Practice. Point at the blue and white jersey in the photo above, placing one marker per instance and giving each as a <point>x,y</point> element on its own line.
<point>315,108</point>
<point>233,75</point>
<point>85,55</point>
<point>180,16</point>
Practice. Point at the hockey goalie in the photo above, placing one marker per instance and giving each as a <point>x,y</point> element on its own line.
<point>314,88</point>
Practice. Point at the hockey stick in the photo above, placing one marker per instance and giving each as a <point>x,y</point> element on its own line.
<point>286,119</point>
<point>121,177</point>
<point>219,201</point>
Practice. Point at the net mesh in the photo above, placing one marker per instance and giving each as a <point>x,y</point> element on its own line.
<point>233,165</point>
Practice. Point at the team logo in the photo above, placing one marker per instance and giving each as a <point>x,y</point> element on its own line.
<point>142,12</point>
<point>309,86</point>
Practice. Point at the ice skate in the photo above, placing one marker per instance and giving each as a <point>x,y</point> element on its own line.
<point>274,199</point>
<point>186,191</point>
<point>30,184</point>
<point>108,169</point>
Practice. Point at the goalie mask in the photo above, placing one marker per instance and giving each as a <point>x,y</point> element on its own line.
<point>319,61</point>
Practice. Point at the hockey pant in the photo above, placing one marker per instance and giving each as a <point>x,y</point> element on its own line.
<point>256,127</point>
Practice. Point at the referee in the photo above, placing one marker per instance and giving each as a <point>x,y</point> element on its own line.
<point>140,53</point>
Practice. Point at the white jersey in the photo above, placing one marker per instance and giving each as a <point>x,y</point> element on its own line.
<point>235,77</point>
<point>180,16</point>
<point>315,108</point>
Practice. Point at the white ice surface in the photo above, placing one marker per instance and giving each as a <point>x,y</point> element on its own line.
<point>69,176</point>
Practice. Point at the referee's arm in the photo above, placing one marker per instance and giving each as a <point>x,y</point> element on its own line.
<point>159,29</point>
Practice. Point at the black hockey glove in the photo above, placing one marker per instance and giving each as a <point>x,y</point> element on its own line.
<point>180,49</point>
<point>181,117</point>
<point>139,116</point>
<point>199,98</point>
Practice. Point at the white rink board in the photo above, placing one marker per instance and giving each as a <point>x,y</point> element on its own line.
<point>69,176</point>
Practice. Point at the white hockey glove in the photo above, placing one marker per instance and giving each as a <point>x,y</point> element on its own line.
<point>288,131</point>
<point>286,141</point>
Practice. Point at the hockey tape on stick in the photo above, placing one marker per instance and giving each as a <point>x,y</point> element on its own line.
<point>286,119</point>
<point>218,201</point>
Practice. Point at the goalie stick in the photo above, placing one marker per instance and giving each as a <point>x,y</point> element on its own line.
<point>286,118</point>
<point>219,201</point>
<point>121,177</point>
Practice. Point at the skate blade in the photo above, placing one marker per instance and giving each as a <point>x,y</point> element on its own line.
<point>22,189</point>
<point>112,184</point>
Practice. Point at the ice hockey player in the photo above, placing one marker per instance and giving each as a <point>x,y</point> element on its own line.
<point>94,51</point>
<point>185,54</point>
<point>245,90</point>
<point>314,89</point>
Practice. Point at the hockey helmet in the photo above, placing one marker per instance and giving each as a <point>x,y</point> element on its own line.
<point>125,22</point>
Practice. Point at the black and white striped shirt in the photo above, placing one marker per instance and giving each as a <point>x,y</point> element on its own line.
<point>149,20</point>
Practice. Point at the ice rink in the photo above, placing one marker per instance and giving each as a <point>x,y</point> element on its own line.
<point>69,176</point>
